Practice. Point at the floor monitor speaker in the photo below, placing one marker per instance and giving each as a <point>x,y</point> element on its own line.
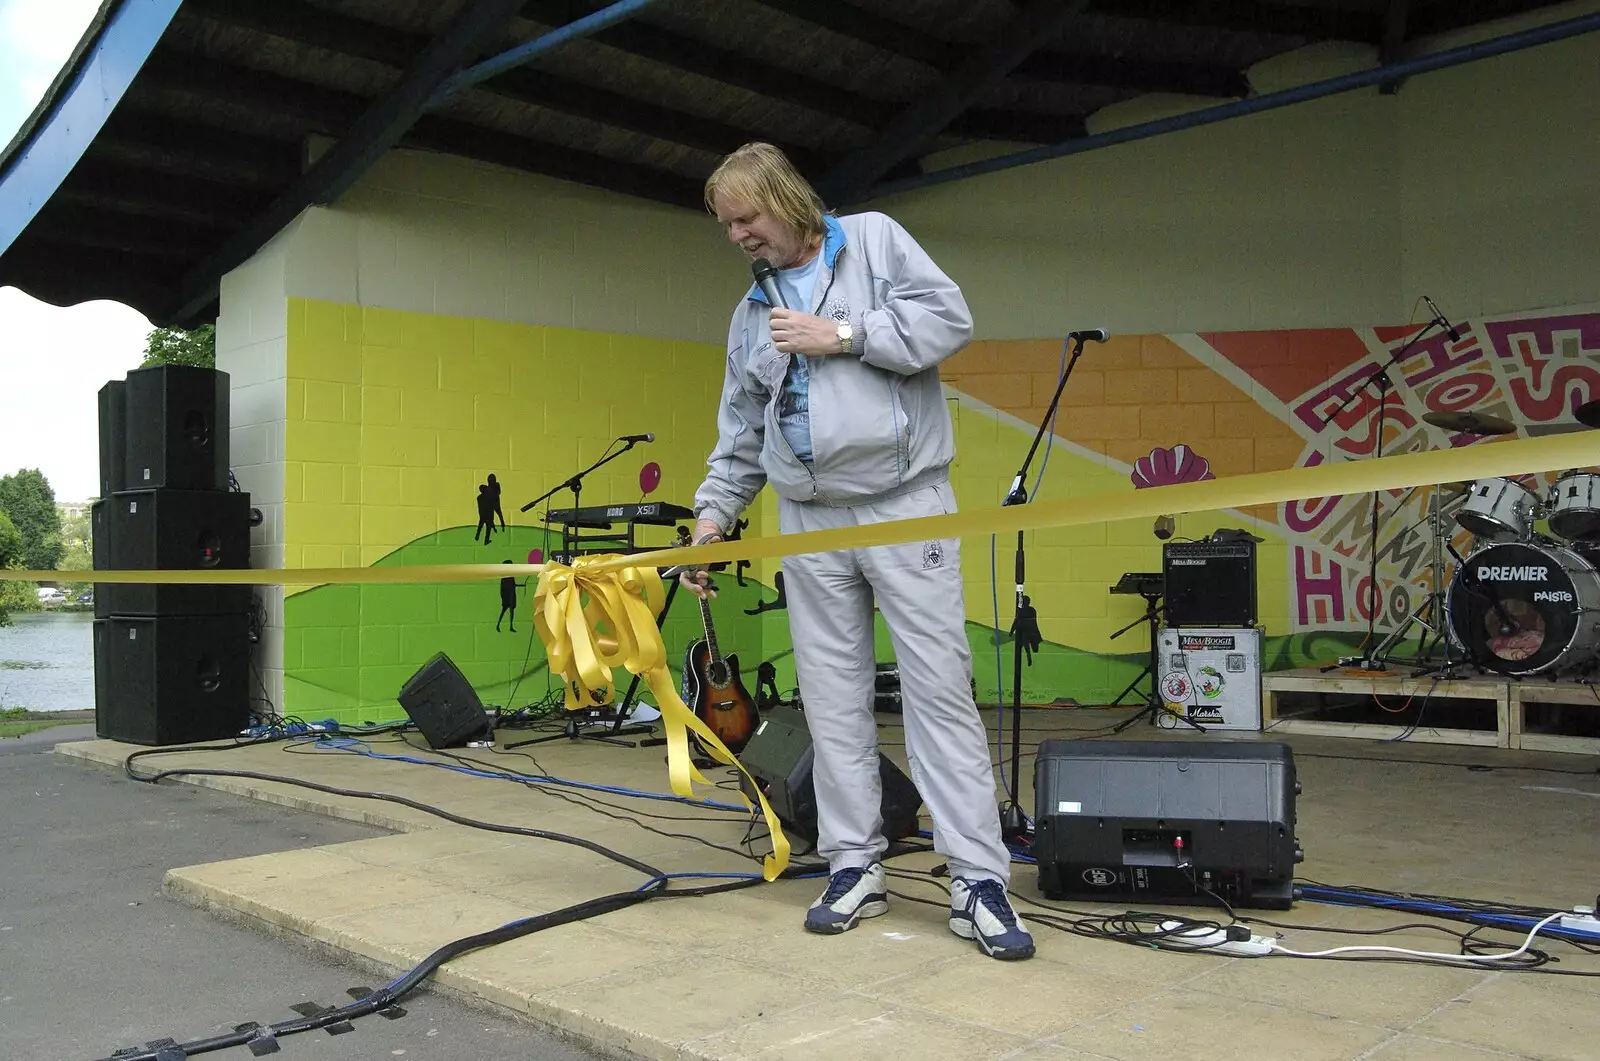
<point>172,679</point>
<point>779,757</point>
<point>1149,821</point>
<point>440,700</point>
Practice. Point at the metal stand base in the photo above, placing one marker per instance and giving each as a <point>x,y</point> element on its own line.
<point>1153,706</point>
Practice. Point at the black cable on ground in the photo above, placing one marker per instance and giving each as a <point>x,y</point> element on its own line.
<point>389,996</point>
<point>657,887</point>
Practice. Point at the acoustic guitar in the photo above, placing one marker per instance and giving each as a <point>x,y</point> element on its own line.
<point>714,691</point>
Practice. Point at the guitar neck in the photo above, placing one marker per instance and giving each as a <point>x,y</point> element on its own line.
<point>711,633</point>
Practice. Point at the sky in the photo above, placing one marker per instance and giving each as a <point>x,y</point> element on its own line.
<point>53,361</point>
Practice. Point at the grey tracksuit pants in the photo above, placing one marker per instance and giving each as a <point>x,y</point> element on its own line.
<point>918,588</point>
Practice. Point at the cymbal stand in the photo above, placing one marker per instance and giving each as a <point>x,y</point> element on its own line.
<point>1371,660</point>
<point>1432,606</point>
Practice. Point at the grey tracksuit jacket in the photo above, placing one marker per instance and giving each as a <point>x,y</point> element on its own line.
<point>879,425</point>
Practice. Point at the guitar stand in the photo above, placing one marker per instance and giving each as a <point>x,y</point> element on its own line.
<point>619,728</point>
<point>1153,705</point>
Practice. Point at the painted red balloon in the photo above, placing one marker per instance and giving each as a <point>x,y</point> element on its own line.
<point>649,477</point>
<point>535,556</point>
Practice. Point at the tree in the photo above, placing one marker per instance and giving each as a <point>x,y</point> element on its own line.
<point>14,596</point>
<point>27,498</point>
<point>176,346</point>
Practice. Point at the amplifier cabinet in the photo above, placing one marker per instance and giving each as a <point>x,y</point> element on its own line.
<point>1210,583</point>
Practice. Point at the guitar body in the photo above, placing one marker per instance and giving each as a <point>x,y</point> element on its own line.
<point>715,692</point>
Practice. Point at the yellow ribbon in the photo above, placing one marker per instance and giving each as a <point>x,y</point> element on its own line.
<point>1481,461</point>
<point>601,613</point>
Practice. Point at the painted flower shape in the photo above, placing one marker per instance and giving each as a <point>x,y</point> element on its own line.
<point>1164,467</point>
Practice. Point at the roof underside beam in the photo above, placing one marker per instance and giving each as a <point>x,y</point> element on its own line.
<point>378,128</point>
<point>1251,16</point>
<point>376,42</point>
<point>1039,21</point>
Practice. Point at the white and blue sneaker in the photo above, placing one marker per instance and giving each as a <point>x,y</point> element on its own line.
<point>980,910</point>
<point>852,894</point>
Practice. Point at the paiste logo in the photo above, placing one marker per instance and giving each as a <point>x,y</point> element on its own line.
<point>1513,574</point>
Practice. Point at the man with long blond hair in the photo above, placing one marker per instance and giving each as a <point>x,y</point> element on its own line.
<point>834,399</point>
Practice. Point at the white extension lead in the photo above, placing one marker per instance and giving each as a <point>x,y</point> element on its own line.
<point>1278,948</point>
<point>1217,941</point>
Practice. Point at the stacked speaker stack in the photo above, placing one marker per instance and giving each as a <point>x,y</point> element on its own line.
<point>171,662</point>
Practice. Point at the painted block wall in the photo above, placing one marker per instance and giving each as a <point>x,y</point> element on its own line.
<point>1293,232</point>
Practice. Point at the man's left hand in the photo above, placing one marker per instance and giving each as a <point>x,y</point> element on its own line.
<point>794,332</point>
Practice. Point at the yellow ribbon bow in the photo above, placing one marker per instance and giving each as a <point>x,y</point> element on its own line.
<point>600,613</point>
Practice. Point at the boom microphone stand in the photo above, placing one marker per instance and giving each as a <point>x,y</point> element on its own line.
<point>1025,627</point>
<point>1372,659</point>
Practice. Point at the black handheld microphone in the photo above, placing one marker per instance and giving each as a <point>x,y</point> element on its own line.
<point>1449,329</point>
<point>767,279</point>
<point>1097,335</point>
<point>648,437</point>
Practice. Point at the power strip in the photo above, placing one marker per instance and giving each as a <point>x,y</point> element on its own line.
<point>1216,941</point>
<point>1581,921</point>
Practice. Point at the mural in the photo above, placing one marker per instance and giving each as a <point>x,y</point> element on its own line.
<point>394,419</point>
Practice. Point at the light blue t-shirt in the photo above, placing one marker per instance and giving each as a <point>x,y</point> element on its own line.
<point>794,408</point>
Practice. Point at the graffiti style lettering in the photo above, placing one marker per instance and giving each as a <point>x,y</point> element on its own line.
<point>1470,390</point>
<point>1438,356</point>
<point>1313,585</point>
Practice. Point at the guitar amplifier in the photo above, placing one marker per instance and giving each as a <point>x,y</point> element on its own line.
<point>1210,583</point>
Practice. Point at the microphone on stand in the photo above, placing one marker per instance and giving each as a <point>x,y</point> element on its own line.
<point>1096,335</point>
<point>1449,329</point>
<point>767,279</point>
<point>649,436</point>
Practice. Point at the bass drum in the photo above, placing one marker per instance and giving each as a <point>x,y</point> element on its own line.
<point>1524,609</point>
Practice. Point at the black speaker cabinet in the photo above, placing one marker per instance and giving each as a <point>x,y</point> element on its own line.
<point>1166,822</point>
<point>171,530</point>
<point>171,680</point>
<point>779,757</point>
<point>439,699</point>
<point>177,428</point>
<point>1210,583</point>
<point>113,436</point>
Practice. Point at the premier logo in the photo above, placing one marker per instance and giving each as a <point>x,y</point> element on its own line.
<point>1513,574</point>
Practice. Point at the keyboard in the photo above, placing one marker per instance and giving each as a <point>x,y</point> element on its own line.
<point>653,513</point>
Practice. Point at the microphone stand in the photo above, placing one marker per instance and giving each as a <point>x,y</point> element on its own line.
<point>617,729</point>
<point>1371,660</point>
<point>1025,625</point>
<point>575,484</point>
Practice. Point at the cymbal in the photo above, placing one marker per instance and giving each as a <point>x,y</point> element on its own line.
<point>1471,423</point>
<point>1588,413</point>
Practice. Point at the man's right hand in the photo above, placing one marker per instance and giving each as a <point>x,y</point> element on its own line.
<point>697,580</point>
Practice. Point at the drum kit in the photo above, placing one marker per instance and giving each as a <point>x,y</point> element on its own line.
<point>1520,602</point>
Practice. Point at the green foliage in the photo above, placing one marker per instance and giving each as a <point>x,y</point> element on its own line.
<point>17,596</point>
<point>176,346</point>
<point>27,498</point>
<point>11,553</point>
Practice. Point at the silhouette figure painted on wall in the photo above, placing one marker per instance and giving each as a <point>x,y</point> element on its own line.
<point>508,600</point>
<point>485,514</point>
<point>494,492</point>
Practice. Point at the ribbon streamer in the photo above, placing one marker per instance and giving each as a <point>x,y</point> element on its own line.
<point>601,613</point>
<point>1485,460</point>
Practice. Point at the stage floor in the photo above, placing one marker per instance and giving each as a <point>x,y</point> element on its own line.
<point>735,976</point>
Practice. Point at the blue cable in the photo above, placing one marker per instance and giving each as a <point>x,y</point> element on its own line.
<point>1348,897</point>
<point>324,742</point>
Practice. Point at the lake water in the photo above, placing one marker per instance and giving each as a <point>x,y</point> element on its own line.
<point>47,661</point>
